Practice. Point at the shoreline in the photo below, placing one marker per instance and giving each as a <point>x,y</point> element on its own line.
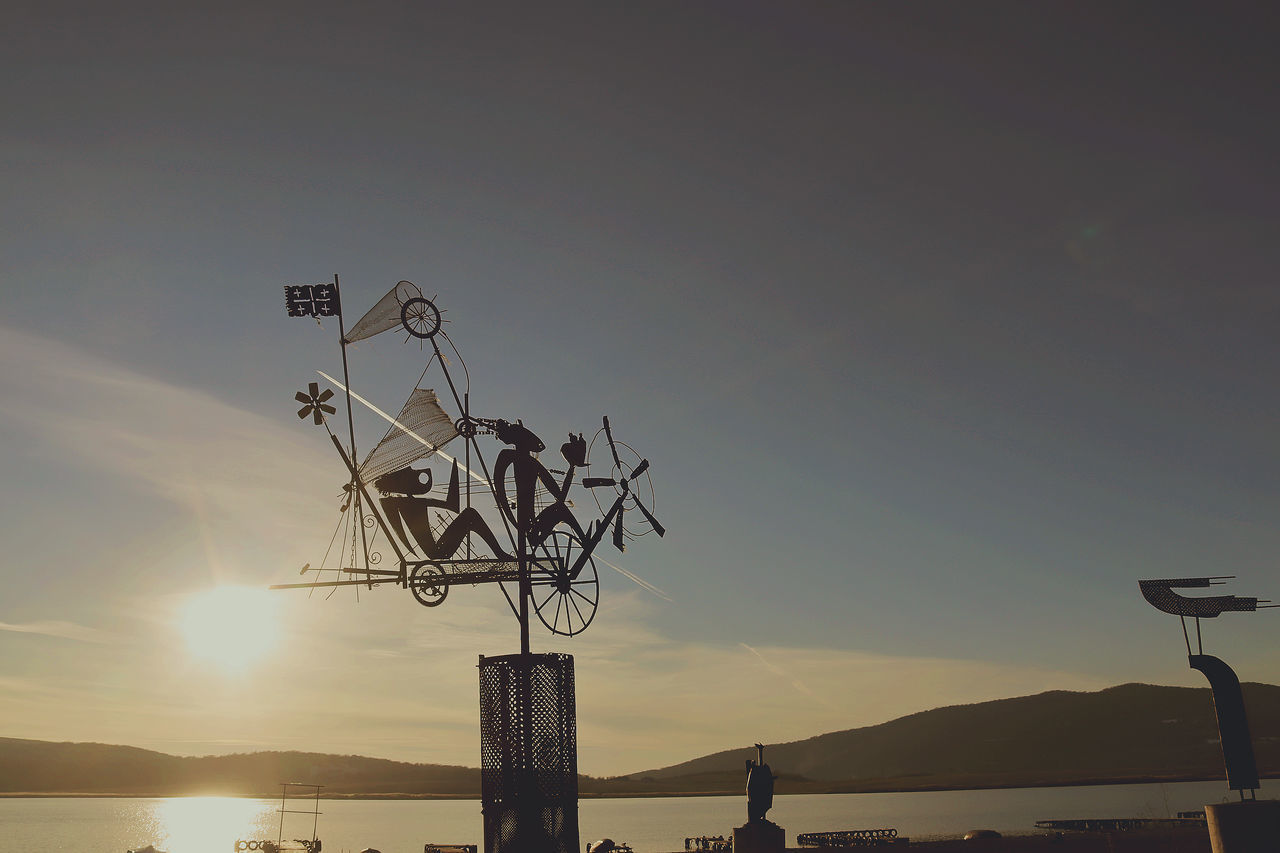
<point>869,788</point>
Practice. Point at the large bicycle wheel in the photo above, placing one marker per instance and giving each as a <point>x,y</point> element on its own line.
<point>565,602</point>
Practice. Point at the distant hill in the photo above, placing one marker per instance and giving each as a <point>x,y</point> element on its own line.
<point>1127,733</point>
<point>1134,731</point>
<point>34,766</point>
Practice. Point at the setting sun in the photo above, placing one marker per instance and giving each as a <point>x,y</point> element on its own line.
<point>232,626</point>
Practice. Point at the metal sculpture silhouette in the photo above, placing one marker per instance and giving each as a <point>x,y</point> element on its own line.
<point>1228,699</point>
<point>759,786</point>
<point>528,542</point>
<point>517,531</point>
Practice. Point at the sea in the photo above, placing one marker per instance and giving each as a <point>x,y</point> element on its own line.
<point>649,825</point>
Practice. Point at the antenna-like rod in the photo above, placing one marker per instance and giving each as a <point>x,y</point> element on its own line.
<point>351,426</point>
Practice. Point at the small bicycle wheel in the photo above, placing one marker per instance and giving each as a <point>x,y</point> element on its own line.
<point>425,584</point>
<point>420,317</point>
<point>565,602</point>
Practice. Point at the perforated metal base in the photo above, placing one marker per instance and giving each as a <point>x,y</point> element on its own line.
<point>529,754</point>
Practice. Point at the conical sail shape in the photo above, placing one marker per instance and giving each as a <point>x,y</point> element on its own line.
<point>422,428</point>
<point>386,314</point>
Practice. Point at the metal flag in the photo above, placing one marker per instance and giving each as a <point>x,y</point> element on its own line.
<point>312,300</point>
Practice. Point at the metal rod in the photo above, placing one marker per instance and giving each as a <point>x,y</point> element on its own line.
<point>466,445</point>
<point>1185,637</point>
<point>444,368</point>
<point>351,425</point>
<point>355,478</point>
<point>315,821</point>
<point>332,583</point>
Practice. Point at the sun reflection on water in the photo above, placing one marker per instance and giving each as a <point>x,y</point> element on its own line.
<point>213,824</point>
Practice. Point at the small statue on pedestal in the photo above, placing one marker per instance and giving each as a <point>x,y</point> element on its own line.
<point>758,834</point>
<point>759,786</point>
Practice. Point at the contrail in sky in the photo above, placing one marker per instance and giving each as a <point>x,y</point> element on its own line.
<point>446,457</point>
<point>795,682</point>
<point>636,579</point>
<point>65,630</point>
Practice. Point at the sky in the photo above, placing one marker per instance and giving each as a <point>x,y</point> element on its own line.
<point>941,326</point>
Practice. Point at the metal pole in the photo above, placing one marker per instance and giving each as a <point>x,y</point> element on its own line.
<point>315,821</point>
<point>355,478</point>
<point>351,426</point>
<point>284,795</point>
<point>525,484</point>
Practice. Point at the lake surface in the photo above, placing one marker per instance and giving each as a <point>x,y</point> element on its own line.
<point>658,825</point>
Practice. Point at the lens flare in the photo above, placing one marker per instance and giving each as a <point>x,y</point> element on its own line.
<point>230,626</point>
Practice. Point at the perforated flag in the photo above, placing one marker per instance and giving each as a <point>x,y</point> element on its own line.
<point>312,300</point>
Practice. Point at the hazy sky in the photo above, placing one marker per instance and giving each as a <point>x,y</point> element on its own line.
<point>941,325</point>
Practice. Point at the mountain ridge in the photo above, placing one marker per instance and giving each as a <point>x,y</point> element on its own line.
<point>1130,732</point>
<point>1080,734</point>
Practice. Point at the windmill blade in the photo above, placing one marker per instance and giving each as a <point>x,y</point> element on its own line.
<point>304,411</point>
<point>657,528</point>
<point>301,398</point>
<point>319,418</point>
<point>594,482</point>
<point>327,409</point>
<point>314,388</point>
<point>324,395</point>
<point>617,533</point>
<point>609,435</point>
<point>640,469</point>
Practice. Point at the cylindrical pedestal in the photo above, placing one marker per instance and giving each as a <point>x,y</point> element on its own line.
<point>529,754</point>
<point>1249,826</point>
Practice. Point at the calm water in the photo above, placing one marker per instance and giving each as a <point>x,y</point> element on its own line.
<point>212,824</point>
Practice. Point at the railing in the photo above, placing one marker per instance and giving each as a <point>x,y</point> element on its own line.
<point>1119,824</point>
<point>850,838</point>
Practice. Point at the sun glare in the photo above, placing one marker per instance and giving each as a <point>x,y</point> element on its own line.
<point>231,626</point>
<point>212,824</point>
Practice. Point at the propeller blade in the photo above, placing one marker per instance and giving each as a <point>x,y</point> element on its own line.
<point>657,528</point>
<point>593,482</point>
<point>327,409</point>
<point>324,395</point>
<point>609,435</point>
<point>617,533</point>
<point>304,411</point>
<point>319,418</point>
<point>314,388</point>
<point>640,469</point>
<point>301,398</point>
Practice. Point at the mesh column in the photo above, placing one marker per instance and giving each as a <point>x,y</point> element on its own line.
<point>529,754</point>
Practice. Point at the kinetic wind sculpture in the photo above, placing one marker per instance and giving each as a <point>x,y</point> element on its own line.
<point>1228,700</point>
<point>511,525</point>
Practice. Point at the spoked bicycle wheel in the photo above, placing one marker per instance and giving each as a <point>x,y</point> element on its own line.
<point>420,317</point>
<point>425,585</point>
<point>566,603</point>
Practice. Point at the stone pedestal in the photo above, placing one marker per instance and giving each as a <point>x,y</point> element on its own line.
<point>1249,826</point>
<point>759,836</point>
